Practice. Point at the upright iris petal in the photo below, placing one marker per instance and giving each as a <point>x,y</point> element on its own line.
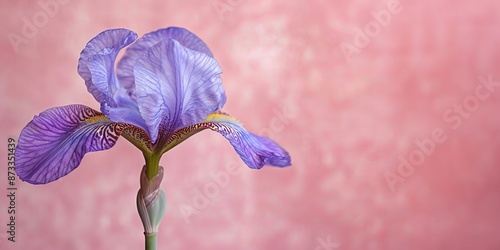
<point>125,69</point>
<point>96,66</point>
<point>97,60</point>
<point>176,87</point>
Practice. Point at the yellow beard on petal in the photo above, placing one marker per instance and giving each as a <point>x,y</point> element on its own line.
<point>96,118</point>
<point>220,116</point>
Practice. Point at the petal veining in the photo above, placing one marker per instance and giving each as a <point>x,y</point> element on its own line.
<point>54,142</point>
<point>256,151</point>
<point>97,62</point>
<point>176,87</point>
<point>125,69</point>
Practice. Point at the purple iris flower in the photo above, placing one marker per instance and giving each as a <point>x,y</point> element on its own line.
<point>166,88</point>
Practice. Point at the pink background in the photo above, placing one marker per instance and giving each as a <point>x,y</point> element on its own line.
<point>346,124</point>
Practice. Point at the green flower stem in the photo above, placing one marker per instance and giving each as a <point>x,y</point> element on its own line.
<point>151,241</point>
<point>152,164</point>
<point>151,199</point>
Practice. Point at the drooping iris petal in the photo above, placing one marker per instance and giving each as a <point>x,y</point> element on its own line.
<point>125,69</point>
<point>256,151</point>
<point>176,87</point>
<point>97,62</point>
<point>54,142</point>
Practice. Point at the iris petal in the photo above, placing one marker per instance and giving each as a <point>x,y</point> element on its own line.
<point>54,142</point>
<point>126,110</point>
<point>96,63</point>
<point>125,69</point>
<point>176,87</point>
<point>256,151</point>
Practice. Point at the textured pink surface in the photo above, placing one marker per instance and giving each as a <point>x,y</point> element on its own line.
<point>346,121</point>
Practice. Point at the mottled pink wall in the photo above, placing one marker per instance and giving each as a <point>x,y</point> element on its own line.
<point>346,117</point>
